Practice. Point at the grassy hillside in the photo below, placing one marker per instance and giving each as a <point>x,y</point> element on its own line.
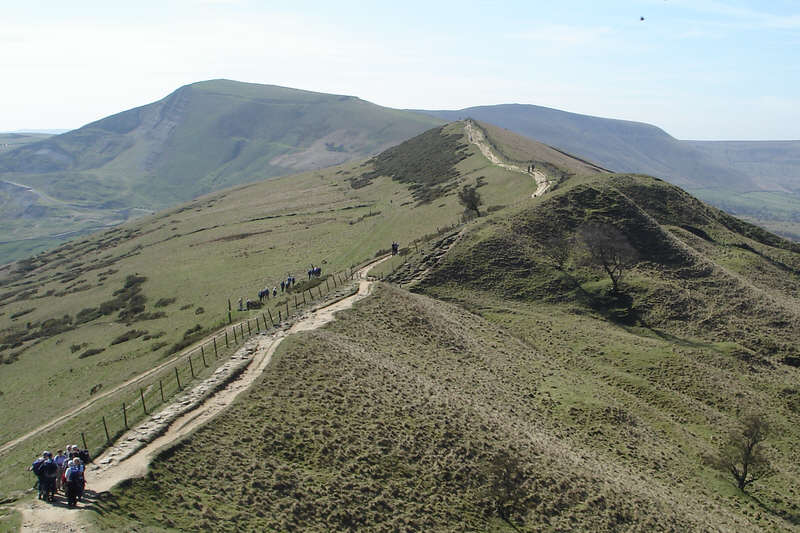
<point>165,275</point>
<point>748,178</point>
<point>10,141</point>
<point>512,382</point>
<point>203,137</point>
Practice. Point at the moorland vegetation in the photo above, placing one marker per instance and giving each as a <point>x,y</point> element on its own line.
<point>512,388</point>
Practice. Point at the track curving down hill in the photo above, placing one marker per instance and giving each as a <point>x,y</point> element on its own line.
<point>132,453</point>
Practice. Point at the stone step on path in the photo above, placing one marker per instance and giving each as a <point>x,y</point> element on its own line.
<point>157,423</point>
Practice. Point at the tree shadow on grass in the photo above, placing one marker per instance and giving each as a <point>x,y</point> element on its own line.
<point>793,518</point>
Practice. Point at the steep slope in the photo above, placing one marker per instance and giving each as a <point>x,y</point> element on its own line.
<point>774,165</point>
<point>156,284</point>
<point>203,137</point>
<point>618,145</point>
<point>746,178</point>
<point>540,402</point>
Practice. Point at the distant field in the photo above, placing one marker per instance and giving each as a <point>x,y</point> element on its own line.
<point>777,212</point>
<point>9,141</point>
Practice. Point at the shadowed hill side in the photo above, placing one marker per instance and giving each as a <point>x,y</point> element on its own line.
<point>701,272</point>
<point>203,137</point>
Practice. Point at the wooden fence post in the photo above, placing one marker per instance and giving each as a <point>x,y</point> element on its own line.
<point>279,317</point>
<point>215,347</point>
<point>334,280</point>
<point>124,415</point>
<point>141,394</point>
<point>327,285</point>
<point>191,366</point>
<point>203,356</point>
<point>248,329</point>
<point>264,318</point>
<point>304,297</point>
<point>271,321</point>
<point>235,340</point>
<point>229,310</point>
<point>287,309</point>
<point>83,438</point>
<point>105,427</point>
<point>178,379</point>
<point>242,328</point>
<point>295,301</point>
<point>320,291</point>
<point>161,388</point>
<point>226,338</point>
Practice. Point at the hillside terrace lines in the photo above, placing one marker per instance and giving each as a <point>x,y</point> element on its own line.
<point>476,137</point>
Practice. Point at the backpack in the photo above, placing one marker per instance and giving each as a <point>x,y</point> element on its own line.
<point>83,455</point>
<point>37,467</point>
<point>49,469</point>
<point>74,475</point>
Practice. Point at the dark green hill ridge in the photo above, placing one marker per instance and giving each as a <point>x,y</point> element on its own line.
<point>759,180</point>
<point>203,137</point>
<point>701,271</point>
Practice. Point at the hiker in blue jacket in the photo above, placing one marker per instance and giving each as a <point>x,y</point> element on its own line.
<point>76,482</point>
<point>48,472</point>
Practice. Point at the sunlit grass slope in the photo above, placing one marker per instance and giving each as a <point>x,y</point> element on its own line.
<point>608,404</point>
<point>203,137</point>
<point>389,420</point>
<point>188,262</point>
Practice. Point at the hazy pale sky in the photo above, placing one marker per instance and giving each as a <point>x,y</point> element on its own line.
<point>700,69</point>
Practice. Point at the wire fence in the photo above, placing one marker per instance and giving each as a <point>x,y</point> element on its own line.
<point>144,397</point>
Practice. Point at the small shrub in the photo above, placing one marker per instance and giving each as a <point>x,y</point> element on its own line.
<point>87,315</point>
<point>128,335</point>
<point>76,347</point>
<point>191,331</point>
<point>163,302</point>
<point>157,346</point>
<point>199,311</point>
<point>90,352</point>
<point>22,313</point>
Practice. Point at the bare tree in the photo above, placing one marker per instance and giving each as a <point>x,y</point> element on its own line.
<point>742,453</point>
<point>557,250</point>
<point>470,198</point>
<point>608,247</point>
<point>506,487</point>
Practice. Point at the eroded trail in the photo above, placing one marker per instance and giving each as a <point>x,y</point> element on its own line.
<point>476,137</point>
<point>132,453</point>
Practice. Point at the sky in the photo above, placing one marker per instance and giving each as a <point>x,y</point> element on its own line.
<point>699,69</point>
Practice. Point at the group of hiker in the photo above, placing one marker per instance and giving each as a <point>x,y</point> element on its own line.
<point>263,294</point>
<point>314,272</point>
<point>64,473</point>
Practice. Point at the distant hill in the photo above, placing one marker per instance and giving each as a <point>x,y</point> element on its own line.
<point>774,165</point>
<point>203,137</point>
<point>747,178</point>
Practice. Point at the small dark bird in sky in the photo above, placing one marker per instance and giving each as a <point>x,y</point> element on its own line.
<point>641,18</point>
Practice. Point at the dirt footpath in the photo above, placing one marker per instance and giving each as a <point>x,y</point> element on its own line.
<point>477,138</point>
<point>131,454</point>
